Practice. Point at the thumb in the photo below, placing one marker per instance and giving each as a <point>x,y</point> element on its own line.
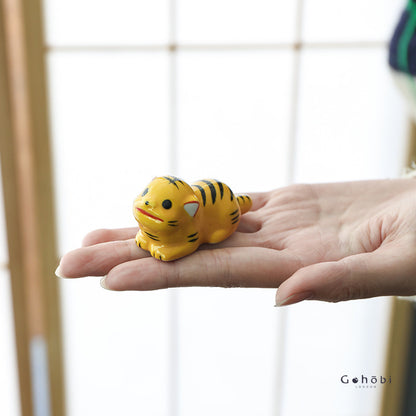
<point>385,271</point>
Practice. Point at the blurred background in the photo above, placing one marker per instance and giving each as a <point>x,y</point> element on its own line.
<point>259,94</point>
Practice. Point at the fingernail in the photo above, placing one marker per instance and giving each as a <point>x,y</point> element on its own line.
<point>59,273</point>
<point>295,298</point>
<point>102,283</point>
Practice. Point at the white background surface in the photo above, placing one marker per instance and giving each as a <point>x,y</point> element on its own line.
<point>120,117</point>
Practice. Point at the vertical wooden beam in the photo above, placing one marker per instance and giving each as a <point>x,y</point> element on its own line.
<point>27,182</point>
<point>401,324</point>
<point>38,103</point>
<point>14,230</point>
<point>411,144</point>
<point>401,320</point>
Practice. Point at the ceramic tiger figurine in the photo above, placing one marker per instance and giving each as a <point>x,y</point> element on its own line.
<point>175,218</point>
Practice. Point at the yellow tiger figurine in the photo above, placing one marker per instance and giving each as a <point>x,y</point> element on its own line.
<point>175,218</point>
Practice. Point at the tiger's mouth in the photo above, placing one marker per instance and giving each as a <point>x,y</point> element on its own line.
<point>142,211</point>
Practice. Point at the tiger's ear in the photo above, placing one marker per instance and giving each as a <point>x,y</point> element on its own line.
<point>191,208</point>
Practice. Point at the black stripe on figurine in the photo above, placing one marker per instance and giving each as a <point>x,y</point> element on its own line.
<point>212,189</point>
<point>172,181</point>
<point>220,187</point>
<point>203,195</point>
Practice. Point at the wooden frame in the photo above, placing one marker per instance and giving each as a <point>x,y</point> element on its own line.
<point>28,197</point>
<point>401,322</point>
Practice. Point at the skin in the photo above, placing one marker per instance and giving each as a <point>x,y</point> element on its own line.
<point>330,242</point>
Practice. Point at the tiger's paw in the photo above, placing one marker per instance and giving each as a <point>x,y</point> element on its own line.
<point>160,253</point>
<point>141,241</point>
<point>171,253</point>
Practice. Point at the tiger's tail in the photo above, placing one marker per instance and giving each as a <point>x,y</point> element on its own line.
<point>245,203</point>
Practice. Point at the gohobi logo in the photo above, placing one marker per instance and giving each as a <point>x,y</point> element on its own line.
<point>365,382</point>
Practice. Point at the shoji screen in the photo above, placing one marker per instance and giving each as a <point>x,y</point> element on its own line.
<point>258,94</point>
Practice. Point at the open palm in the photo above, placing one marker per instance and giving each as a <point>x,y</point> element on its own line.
<point>329,242</point>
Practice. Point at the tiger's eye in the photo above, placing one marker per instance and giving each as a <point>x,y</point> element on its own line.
<point>167,203</point>
<point>145,191</point>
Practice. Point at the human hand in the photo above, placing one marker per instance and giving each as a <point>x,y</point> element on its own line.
<point>328,242</point>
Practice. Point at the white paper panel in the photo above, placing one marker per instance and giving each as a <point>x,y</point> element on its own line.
<point>227,352</point>
<point>9,383</point>
<point>110,138</point>
<point>323,343</point>
<point>248,21</point>
<point>233,124</point>
<point>106,22</point>
<point>352,119</point>
<point>233,121</point>
<point>117,349</point>
<point>351,126</point>
<point>353,20</point>
<point>110,135</point>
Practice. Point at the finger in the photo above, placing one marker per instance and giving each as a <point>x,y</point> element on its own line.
<point>99,259</point>
<point>258,199</point>
<point>226,267</point>
<point>249,223</point>
<point>104,235</point>
<point>379,273</point>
